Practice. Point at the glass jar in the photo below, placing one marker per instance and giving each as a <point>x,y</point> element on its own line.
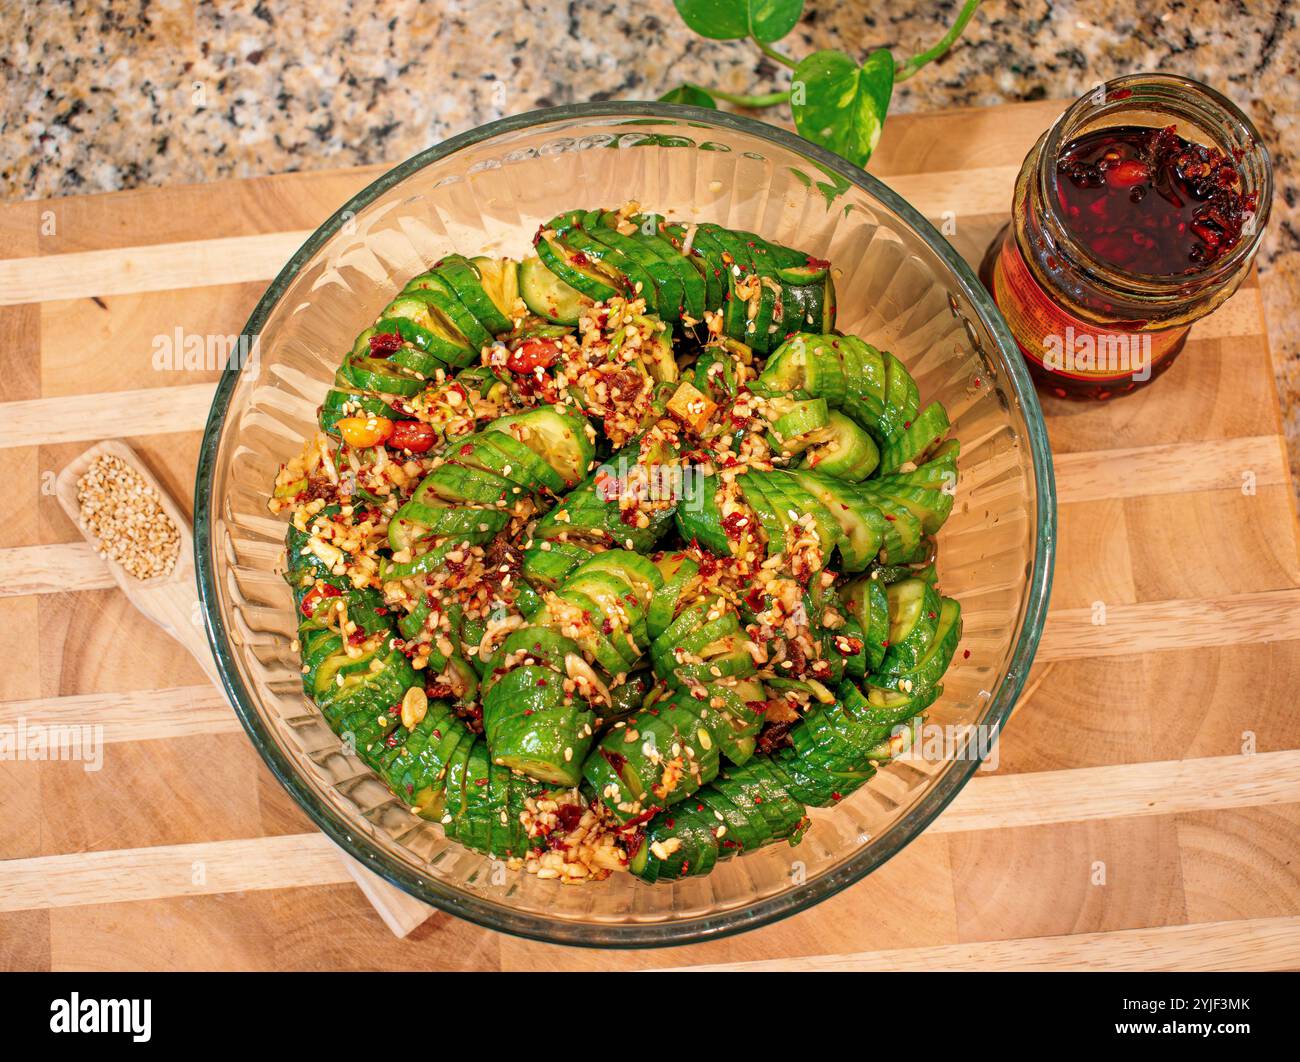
<point>1088,328</point>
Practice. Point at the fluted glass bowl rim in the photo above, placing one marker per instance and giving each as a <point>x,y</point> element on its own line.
<point>499,916</point>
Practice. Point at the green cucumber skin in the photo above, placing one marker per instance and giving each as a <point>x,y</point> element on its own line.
<point>463,279</point>
<point>848,374</point>
<point>530,728</point>
<point>439,766</point>
<point>556,260</point>
<point>548,295</point>
<point>629,775</point>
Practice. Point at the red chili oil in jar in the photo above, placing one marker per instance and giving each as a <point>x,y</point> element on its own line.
<point>1137,213</point>
<point>1149,202</point>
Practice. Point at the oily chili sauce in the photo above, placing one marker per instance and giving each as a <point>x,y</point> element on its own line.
<point>1146,201</point>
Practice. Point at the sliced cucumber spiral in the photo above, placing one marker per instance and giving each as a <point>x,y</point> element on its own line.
<point>835,750</point>
<point>632,677</point>
<point>587,635</point>
<point>763,290</point>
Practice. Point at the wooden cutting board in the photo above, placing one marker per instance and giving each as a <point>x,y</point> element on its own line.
<point>1146,808</point>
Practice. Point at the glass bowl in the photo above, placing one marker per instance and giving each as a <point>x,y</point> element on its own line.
<point>900,285</point>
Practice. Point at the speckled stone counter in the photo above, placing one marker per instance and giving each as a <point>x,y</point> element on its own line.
<point>113,95</point>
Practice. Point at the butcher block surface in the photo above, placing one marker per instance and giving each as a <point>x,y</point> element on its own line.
<point>1145,810</point>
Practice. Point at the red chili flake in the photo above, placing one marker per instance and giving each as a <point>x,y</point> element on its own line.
<point>480,781</point>
<point>885,643</point>
<point>758,800</point>
<point>836,796</point>
<point>907,424</point>
<point>645,816</point>
<point>314,595</point>
<point>699,807</point>
<point>671,823</point>
<point>606,627</point>
<point>569,815</point>
<point>890,518</point>
<point>541,682</point>
<point>931,615</point>
<point>966,655</point>
<point>818,263</point>
<point>466,450</point>
<point>384,344</point>
<point>733,524</point>
<point>528,711</point>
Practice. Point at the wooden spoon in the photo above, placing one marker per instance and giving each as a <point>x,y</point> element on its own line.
<point>171,601</point>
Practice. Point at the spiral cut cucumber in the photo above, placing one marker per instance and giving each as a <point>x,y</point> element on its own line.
<point>835,750</point>
<point>713,708</point>
<point>763,290</point>
<point>888,519</point>
<point>435,328</point>
<point>468,497</point>
<point>554,680</point>
<point>505,570</point>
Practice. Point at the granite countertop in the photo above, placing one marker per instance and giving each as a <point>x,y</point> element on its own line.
<point>115,95</point>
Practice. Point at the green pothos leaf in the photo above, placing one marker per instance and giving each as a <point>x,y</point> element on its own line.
<point>729,20</point>
<point>719,20</point>
<point>841,105</point>
<point>770,20</point>
<point>691,95</point>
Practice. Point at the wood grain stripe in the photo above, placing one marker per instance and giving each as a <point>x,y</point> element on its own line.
<point>1177,468</point>
<point>235,259</point>
<point>168,409</point>
<point>1013,801</point>
<point>1145,627</point>
<point>1095,475</point>
<point>1158,626</point>
<point>141,715</point>
<point>83,418</point>
<point>284,862</point>
<point>1249,943</point>
<point>51,569</point>
<point>969,195</point>
<point>156,267</point>
<point>1169,787</point>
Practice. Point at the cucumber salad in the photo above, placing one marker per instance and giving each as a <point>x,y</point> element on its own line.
<point>620,557</point>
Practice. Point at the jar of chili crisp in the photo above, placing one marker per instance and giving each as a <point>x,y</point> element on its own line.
<point>1137,213</point>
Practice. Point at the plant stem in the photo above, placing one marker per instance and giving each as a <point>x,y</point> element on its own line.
<point>772,53</point>
<point>905,70</point>
<point>752,102</point>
